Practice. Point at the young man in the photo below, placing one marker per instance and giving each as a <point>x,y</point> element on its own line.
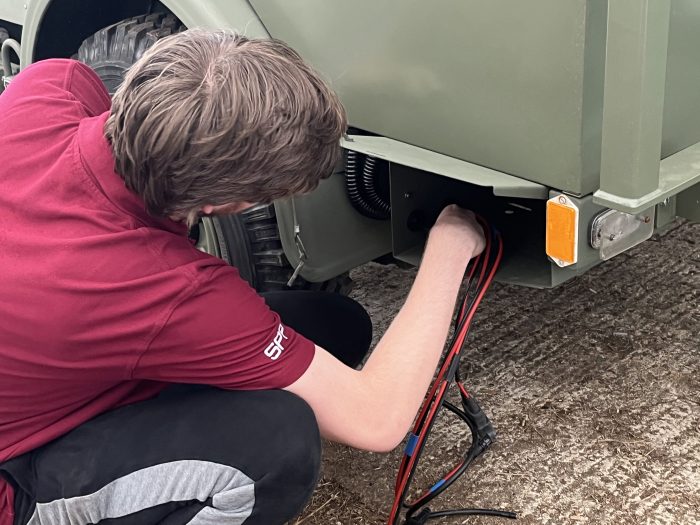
<point>141,380</point>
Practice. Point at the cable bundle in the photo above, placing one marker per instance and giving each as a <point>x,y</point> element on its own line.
<point>480,274</point>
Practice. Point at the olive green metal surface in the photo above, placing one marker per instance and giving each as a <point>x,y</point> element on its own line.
<point>516,86</point>
<point>676,173</point>
<point>688,203</point>
<point>12,11</point>
<point>665,214</point>
<point>429,161</point>
<point>335,237</point>
<point>632,176</point>
<point>501,99</point>
<point>499,83</point>
<point>681,126</point>
<point>635,79</point>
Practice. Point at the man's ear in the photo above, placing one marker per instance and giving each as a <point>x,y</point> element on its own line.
<point>208,209</point>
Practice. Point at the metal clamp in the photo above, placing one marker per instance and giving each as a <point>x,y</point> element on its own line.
<point>7,45</point>
<point>300,247</point>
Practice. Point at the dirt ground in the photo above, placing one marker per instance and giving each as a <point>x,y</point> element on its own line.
<point>593,388</point>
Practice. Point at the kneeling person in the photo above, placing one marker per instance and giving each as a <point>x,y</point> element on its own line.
<point>142,380</point>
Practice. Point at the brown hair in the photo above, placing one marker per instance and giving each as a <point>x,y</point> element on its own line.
<point>212,117</point>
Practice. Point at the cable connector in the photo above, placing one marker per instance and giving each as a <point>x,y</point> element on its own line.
<point>485,433</point>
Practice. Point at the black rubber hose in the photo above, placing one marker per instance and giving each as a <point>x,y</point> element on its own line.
<point>369,178</point>
<point>356,189</point>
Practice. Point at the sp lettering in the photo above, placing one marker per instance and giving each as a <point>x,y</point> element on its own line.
<point>274,349</point>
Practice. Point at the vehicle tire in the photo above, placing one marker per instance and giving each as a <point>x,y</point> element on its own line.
<point>113,49</point>
<point>251,240</point>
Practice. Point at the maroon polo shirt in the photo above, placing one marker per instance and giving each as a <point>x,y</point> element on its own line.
<point>102,304</point>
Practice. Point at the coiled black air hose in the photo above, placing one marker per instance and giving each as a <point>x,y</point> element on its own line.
<point>369,179</point>
<point>361,187</point>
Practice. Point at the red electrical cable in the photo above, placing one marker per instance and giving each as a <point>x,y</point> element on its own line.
<point>447,360</point>
<point>463,390</point>
<point>444,478</point>
<point>411,462</point>
<point>430,397</point>
<point>436,394</point>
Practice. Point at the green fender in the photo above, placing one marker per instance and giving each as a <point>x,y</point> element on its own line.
<point>239,16</point>
<point>234,14</point>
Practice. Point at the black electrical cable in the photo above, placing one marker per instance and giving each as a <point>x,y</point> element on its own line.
<point>474,450</point>
<point>473,512</point>
<point>458,327</point>
<point>466,463</point>
<point>440,401</point>
<point>418,453</point>
<point>480,274</point>
<point>458,412</point>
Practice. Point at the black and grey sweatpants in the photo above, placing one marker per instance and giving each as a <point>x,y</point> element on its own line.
<point>193,455</point>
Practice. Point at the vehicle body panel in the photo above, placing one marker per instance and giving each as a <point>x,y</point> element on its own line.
<point>506,96</point>
<point>13,11</point>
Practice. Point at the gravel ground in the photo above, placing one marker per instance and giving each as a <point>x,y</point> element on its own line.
<point>593,388</point>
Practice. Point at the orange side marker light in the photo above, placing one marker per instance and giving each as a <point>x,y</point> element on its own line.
<point>562,231</point>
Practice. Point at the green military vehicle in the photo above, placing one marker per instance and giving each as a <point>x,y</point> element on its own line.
<point>572,125</point>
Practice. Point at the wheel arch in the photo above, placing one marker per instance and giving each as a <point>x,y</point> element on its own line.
<point>55,28</point>
<point>48,22</point>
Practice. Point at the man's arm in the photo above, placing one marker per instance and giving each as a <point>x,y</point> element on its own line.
<point>373,408</point>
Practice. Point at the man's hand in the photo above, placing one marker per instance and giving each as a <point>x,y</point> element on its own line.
<point>459,226</point>
<point>373,408</point>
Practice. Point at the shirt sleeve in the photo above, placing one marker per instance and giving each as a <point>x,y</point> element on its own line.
<point>225,335</point>
<point>55,89</point>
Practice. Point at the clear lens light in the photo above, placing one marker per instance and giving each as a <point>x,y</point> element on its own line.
<point>613,232</point>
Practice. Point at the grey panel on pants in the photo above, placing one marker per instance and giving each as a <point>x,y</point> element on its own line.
<point>232,493</point>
